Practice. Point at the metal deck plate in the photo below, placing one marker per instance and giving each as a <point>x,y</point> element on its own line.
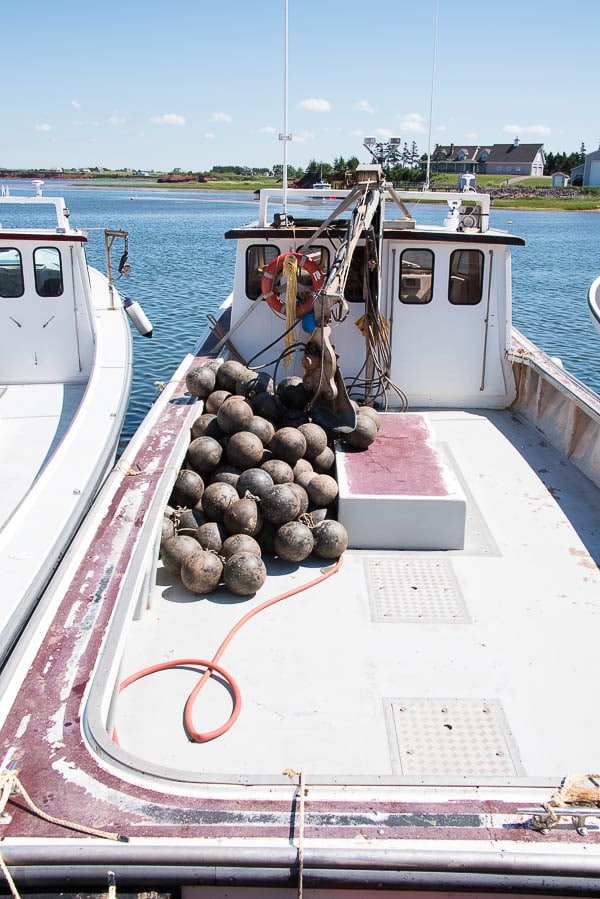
<point>452,737</point>
<point>405,588</point>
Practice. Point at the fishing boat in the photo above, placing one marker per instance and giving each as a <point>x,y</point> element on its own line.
<point>412,711</point>
<point>65,374</point>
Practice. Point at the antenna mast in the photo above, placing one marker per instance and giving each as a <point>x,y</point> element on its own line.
<point>285,137</point>
<point>431,96</point>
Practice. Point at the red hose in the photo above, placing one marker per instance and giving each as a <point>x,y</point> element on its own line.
<point>212,665</point>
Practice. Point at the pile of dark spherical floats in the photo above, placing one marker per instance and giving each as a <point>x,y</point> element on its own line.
<point>257,480</point>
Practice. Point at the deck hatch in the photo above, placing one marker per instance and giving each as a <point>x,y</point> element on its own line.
<point>413,589</point>
<point>452,737</point>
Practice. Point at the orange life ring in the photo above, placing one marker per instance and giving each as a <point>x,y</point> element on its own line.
<point>271,271</point>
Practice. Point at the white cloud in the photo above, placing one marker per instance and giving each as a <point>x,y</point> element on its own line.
<point>117,120</point>
<point>314,104</point>
<point>209,135</point>
<point>471,135</point>
<point>363,106</point>
<point>527,129</point>
<point>170,118</point>
<point>82,123</point>
<point>268,129</point>
<point>220,117</point>
<point>413,122</point>
<point>43,126</point>
<point>303,137</point>
<point>75,104</point>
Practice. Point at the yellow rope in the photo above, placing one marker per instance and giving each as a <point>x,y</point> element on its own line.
<point>290,271</point>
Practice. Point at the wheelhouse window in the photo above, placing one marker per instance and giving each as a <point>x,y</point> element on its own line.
<point>11,273</point>
<point>466,277</point>
<point>48,272</point>
<point>416,276</point>
<point>258,256</point>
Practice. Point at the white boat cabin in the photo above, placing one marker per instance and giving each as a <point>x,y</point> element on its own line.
<point>446,295</point>
<point>46,328</point>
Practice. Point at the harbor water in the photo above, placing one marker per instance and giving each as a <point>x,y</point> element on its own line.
<point>182,269</point>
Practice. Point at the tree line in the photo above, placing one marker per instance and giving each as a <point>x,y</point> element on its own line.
<point>404,163</point>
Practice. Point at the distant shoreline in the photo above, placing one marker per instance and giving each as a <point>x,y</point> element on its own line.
<point>518,202</point>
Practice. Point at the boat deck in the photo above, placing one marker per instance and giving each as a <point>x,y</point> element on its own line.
<point>343,680</point>
<point>34,418</point>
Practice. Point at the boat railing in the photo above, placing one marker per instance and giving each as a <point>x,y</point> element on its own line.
<point>466,198</point>
<point>61,211</point>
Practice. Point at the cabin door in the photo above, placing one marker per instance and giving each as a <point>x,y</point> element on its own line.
<point>442,305</point>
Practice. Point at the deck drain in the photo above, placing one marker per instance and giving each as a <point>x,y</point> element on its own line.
<point>413,589</point>
<point>455,737</point>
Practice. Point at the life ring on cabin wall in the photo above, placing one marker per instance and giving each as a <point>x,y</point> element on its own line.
<point>275,267</point>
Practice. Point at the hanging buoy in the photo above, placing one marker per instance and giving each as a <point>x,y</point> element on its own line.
<point>137,316</point>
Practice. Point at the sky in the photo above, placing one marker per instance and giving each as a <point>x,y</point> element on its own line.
<point>189,84</point>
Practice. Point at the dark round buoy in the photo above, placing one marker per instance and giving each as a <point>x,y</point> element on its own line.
<point>301,466</point>
<point>206,426</point>
<point>200,381</point>
<point>229,373</point>
<point>243,517</point>
<point>268,406</point>
<point>322,489</point>
<point>211,536</point>
<point>216,498</point>
<point>371,413</point>
<point>168,529</point>
<point>204,454</point>
<point>302,496</point>
<point>363,434</point>
<point>279,470</point>
<point>280,503</point>
<point>201,572</point>
<point>226,474</point>
<point>254,481</point>
<point>315,437</point>
<point>234,415</point>
<point>288,444</point>
<point>263,429</point>
<point>214,400</point>
<point>294,541</point>
<point>244,573</point>
<point>253,383</point>
<point>305,477</point>
<point>324,461</point>
<point>239,543</point>
<point>245,450</point>
<point>189,520</point>
<point>175,550</point>
<point>331,539</point>
<point>292,392</point>
<point>188,489</point>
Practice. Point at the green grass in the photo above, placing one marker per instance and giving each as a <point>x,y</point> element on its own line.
<point>568,204</point>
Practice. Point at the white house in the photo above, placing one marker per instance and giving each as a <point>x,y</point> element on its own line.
<point>559,179</point>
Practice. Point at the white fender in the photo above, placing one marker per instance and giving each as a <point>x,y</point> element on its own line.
<point>137,316</point>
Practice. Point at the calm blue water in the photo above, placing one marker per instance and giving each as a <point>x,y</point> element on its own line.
<point>182,269</point>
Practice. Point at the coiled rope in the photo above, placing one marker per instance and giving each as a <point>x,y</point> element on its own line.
<point>290,272</point>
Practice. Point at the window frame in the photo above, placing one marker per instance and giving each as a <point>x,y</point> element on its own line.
<point>35,273</point>
<point>416,302</point>
<point>13,296</point>
<point>451,273</point>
